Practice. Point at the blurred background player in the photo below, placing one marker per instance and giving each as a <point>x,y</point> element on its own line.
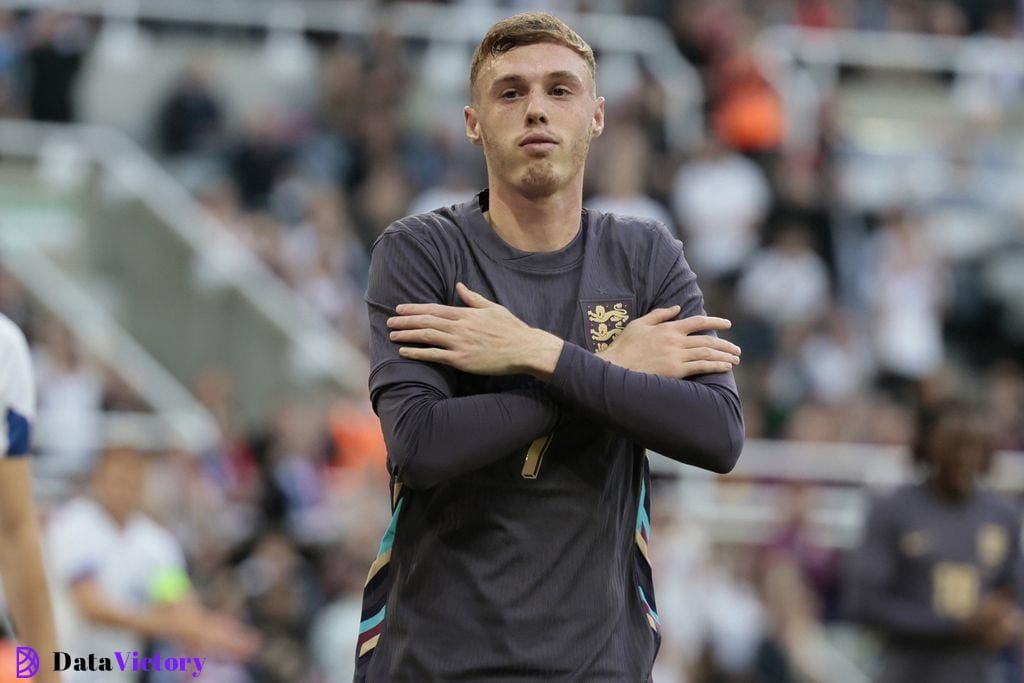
<point>120,581</point>
<point>939,569</point>
<point>21,557</point>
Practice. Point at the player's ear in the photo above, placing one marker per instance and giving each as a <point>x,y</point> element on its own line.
<point>472,125</point>
<point>597,124</point>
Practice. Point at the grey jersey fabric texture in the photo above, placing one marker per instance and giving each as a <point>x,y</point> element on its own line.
<point>923,565</point>
<point>518,546</point>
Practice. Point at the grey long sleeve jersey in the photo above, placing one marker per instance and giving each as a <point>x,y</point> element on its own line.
<point>518,545</point>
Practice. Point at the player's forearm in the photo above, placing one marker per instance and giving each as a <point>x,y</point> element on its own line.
<point>696,423</point>
<point>100,611</point>
<point>147,624</point>
<point>432,438</point>
<point>21,566</point>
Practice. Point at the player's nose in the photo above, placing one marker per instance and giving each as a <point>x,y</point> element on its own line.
<point>535,112</point>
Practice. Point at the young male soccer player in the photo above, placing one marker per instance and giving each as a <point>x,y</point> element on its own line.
<point>939,570</point>
<point>21,556</point>
<point>525,351</point>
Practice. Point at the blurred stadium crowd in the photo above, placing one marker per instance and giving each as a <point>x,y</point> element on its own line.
<point>850,318</point>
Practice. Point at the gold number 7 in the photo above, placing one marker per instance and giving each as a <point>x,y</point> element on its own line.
<point>535,455</point>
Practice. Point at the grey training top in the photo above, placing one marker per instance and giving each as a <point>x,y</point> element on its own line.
<point>517,548</point>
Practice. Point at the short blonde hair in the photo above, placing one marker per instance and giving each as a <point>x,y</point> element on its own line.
<point>528,28</point>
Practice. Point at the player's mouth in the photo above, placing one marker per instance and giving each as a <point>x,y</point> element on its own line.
<point>538,143</point>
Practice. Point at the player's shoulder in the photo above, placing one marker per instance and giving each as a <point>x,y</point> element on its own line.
<point>77,519</point>
<point>634,233</point>
<point>895,500</point>
<point>629,227</point>
<point>149,533</point>
<point>997,506</point>
<point>433,227</point>
<point>12,339</point>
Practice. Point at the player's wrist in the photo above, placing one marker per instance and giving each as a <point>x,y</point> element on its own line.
<point>540,354</point>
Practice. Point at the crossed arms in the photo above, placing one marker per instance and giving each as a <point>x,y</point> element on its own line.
<point>660,384</point>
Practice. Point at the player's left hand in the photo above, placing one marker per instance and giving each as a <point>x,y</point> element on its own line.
<point>483,338</point>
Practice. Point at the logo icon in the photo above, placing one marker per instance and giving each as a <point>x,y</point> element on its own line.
<point>607,323</point>
<point>27,662</point>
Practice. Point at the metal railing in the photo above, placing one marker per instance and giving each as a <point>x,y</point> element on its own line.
<point>891,50</point>
<point>748,505</point>
<point>317,348</point>
<point>179,420</point>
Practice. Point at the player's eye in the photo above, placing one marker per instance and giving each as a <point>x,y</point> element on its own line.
<point>509,94</point>
<point>560,91</point>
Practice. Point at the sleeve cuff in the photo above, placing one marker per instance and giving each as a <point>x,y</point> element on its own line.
<point>577,372</point>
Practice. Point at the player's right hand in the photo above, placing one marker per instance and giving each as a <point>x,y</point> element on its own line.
<point>659,345</point>
<point>996,622</point>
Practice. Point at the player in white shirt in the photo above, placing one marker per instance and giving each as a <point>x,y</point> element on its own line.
<point>119,579</point>
<point>21,560</point>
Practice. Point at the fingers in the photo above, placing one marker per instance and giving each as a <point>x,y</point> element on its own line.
<point>438,310</point>
<point>430,355</point>
<point>703,353</point>
<point>427,336</point>
<point>658,315</point>
<point>699,323</point>
<point>695,341</point>
<point>415,322</point>
<point>703,367</point>
<point>471,298</point>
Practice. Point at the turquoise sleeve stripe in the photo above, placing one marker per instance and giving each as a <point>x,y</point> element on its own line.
<point>389,535</point>
<point>647,604</point>
<point>372,621</point>
<point>642,521</point>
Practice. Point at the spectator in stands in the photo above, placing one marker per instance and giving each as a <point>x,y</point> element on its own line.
<point>623,179</point>
<point>1005,382</point>
<point>381,199</point>
<point>837,360</point>
<point>908,290</point>
<point>746,110</point>
<point>721,199</point>
<point>786,284</point>
<point>59,41</point>
<point>939,569</point>
<point>119,579</point>
<point>283,595</point>
<point>191,117</point>
<point>259,157</point>
<point>9,104</point>
<point>70,396</point>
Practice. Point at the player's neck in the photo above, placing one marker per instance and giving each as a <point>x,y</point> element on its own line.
<point>535,224</point>
<point>119,520</point>
<point>949,494</point>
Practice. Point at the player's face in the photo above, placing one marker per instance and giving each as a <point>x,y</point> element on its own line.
<point>118,482</point>
<point>959,463</point>
<point>535,113</point>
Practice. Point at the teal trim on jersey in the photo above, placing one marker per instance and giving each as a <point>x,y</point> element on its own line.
<point>642,520</point>
<point>389,535</point>
<point>643,597</point>
<point>373,621</point>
